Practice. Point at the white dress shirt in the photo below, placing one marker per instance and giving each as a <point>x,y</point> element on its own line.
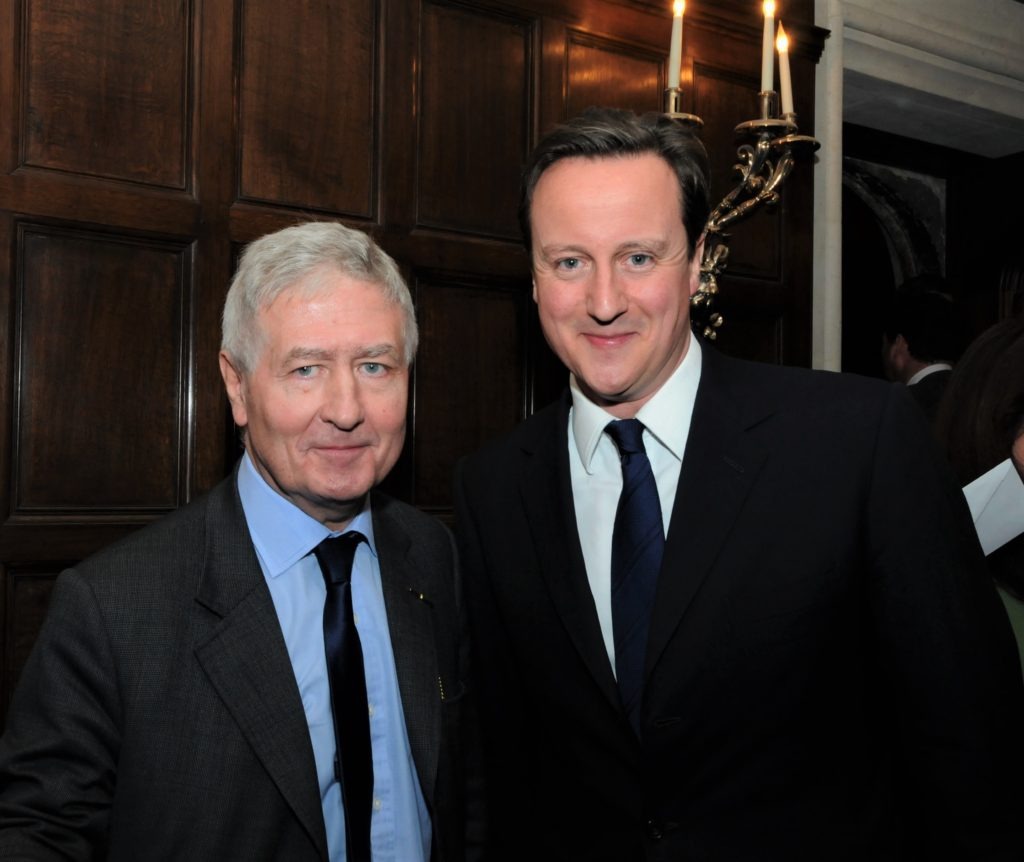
<point>596,471</point>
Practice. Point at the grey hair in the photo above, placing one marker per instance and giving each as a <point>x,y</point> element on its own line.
<point>279,261</point>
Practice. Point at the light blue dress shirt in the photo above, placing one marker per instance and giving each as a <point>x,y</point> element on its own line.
<point>284,538</point>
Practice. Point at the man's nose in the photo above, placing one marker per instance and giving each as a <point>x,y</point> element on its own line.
<point>342,405</point>
<point>606,300</point>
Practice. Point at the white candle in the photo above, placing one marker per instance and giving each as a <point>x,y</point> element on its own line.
<point>785,82</point>
<point>768,47</point>
<point>675,51</point>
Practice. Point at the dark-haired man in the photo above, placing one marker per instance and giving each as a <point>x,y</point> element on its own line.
<point>724,610</point>
<point>921,340</point>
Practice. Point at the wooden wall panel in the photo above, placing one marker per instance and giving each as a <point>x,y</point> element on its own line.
<point>611,74</point>
<point>755,333</point>
<point>143,144</point>
<point>470,375</point>
<point>307,115</point>
<point>474,118</point>
<point>24,598</point>
<point>106,88</point>
<point>101,358</point>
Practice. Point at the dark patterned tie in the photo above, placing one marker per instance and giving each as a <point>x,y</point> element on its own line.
<point>353,763</point>
<point>637,544</point>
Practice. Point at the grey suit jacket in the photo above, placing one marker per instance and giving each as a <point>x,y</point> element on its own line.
<point>158,716</point>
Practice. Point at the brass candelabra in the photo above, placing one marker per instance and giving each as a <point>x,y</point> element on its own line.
<point>768,149</point>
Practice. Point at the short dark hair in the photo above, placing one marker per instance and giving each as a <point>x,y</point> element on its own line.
<point>982,409</point>
<point>922,312</point>
<point>611,132</point>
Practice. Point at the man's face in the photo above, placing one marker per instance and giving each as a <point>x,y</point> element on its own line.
<point>611,275</point>
<point>324,408</point>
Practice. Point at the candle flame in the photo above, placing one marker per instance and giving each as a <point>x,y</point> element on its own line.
<point>782,41</point>
<point>678,8</point>
<point>769,8</point>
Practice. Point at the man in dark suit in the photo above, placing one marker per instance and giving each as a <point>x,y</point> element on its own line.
<point>724,611</point>
<point>921,340</point>
<point>178,703</point>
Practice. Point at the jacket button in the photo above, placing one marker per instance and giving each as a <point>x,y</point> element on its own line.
<point>654,831</point>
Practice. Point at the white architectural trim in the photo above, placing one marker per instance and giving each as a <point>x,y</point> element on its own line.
<point>826,296</point>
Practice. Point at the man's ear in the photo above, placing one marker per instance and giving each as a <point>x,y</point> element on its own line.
<point>695,261</point>
<point>900,350</point>
<point>234,385</point>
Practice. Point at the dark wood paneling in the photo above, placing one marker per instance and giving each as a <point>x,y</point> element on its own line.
<point>142,144</point>
<point>24,598</point>
<point>100,353</point>
<point>307,104</point>
<point>106,88</point>
<point>751,332</point>
<point>470,377</point>
<point>474,118</point>
<point>611,74</point>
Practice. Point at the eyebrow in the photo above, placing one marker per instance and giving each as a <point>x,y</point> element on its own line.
<point>372,350</point>
<point>318,353</point>
<point>308,353</point>
<point>657,246</point>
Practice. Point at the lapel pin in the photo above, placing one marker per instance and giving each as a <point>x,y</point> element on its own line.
<point>420,596</point>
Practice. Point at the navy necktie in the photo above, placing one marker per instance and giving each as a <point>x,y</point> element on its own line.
<point>637,544</point>
<point>353,764</point>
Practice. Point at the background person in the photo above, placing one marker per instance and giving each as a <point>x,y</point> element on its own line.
<point>921,340</point>
<point>980,423</point>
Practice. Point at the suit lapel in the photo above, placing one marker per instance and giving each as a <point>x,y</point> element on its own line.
<point>546,489</point>
<point>246,660</point>
<point>407,597</point>
<point>720,465</point>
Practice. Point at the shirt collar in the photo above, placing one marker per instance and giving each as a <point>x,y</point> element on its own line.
<point>662,415</point>
<point>281,532</point>
<point>928,370</point>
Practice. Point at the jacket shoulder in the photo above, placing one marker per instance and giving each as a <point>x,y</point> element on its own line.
<point>169,542</point>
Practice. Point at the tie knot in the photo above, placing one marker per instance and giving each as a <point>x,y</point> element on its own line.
<point>335,555</point>
<point>628,436</point>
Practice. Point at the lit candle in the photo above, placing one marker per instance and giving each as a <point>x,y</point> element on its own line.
<point>675,53</point>
<point>768,47</point>
<point>785,82</point>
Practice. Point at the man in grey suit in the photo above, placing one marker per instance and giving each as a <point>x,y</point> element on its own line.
<point>178,702</point>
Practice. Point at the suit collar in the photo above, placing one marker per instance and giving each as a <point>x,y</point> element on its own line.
<point>546,490</point>
<point>720,465</point>
<point>409,593</point>
<point>244,655</point>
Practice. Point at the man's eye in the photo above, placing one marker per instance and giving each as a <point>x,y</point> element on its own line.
<point>639,259</point>
<point>569,263</point>
<point>305,371</point>
<point>374,369</point>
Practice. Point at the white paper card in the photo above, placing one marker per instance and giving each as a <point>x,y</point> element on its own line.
<point>996,500</point>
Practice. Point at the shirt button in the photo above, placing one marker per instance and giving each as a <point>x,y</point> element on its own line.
<point>371,710</point>
<point>654,830</point>
<point>355,618</point>
<point>377,805</point>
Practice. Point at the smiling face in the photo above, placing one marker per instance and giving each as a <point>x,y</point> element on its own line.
<point>324,407</point>
<point>612,277</point>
